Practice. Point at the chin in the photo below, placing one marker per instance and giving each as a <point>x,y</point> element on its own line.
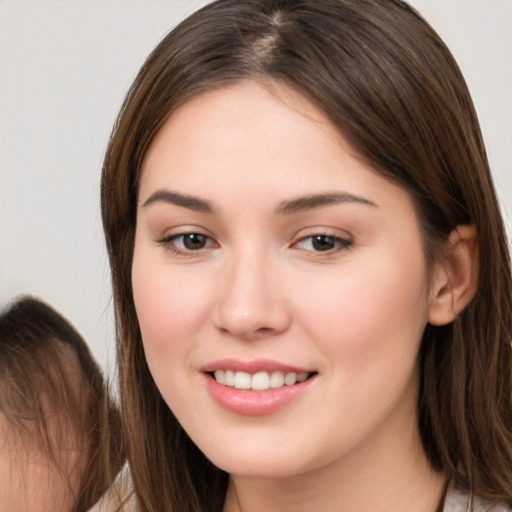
<point>258,462</point>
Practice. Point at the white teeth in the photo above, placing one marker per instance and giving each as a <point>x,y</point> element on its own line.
<point>259,381</point>
<point>277,380</point>
<point>290,379</point>
<point>229,378</point>
<point>243,380</point>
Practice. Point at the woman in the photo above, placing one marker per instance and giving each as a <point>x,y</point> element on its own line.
<point>311,277</point>
<point>54,454</point>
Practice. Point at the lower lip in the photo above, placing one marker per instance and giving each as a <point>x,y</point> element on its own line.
<point>255,403</point>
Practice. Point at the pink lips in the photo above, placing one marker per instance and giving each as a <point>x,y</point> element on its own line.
<point>248,402</point>
<point>257,365</point>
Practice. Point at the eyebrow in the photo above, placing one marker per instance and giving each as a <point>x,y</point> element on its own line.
<point>310,202</point>
<point>192,203</point>
<point>287,207</point>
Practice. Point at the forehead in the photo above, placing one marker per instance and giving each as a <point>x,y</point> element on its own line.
<point>235,125</point>
<point>254,108</point>
<point>263,140</point>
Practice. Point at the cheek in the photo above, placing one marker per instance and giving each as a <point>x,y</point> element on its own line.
<point>374,308</point>
<point>170,306</point>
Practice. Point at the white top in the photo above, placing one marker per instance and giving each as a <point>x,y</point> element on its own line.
<point>459,501</point>
<point>118,493</point>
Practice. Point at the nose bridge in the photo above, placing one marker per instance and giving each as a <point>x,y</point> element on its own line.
<point>250,302</point>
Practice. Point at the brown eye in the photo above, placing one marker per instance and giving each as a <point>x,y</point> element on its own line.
<point>193,241</point>
<point>187,243</point>
<point>323,243</point>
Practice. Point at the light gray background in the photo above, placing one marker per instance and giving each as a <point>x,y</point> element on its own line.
<point>64,69</point>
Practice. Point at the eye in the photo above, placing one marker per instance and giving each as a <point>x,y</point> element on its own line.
<point>187,242</point>
<point>191,241</point>
<point>322,243</point>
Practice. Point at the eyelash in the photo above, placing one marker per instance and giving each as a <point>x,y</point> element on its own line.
<point>338,243</point>
<point>169,243</point>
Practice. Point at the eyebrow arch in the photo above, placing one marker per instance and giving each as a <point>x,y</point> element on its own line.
<point>318,200</point>
<point>192,203</point>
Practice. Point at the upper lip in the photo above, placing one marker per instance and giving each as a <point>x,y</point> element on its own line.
<point>252,366</point>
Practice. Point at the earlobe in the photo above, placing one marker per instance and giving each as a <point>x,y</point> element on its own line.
<point>456,276</point>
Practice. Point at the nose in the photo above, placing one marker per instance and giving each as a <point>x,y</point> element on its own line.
<point>251,303</point>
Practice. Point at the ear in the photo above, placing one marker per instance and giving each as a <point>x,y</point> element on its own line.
<point>456,277</point>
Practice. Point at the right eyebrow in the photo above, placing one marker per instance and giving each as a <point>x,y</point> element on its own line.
<point>313,201</point>
<point>192,203</point>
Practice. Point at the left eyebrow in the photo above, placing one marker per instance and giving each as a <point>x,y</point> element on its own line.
<point>310,202</point>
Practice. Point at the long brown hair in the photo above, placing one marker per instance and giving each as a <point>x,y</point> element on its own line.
<point>55,402</point>
<point>390,85</point>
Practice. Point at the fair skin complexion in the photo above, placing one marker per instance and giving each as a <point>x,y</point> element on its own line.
<point>297,256</point>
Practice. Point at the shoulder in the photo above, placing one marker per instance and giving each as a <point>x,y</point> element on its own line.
<point>460,501</point>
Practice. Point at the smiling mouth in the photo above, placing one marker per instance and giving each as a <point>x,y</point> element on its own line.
<point>259,381</point>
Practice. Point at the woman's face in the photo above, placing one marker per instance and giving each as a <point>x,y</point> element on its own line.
<point>266,250</point>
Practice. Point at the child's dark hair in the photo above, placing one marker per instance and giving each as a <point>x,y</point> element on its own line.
<point>55,402</point>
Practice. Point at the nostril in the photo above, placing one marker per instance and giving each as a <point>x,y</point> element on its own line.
<point>264,330</point>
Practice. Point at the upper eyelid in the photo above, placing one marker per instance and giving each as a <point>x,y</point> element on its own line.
<point>322,231</point>
<point>177,231</point>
